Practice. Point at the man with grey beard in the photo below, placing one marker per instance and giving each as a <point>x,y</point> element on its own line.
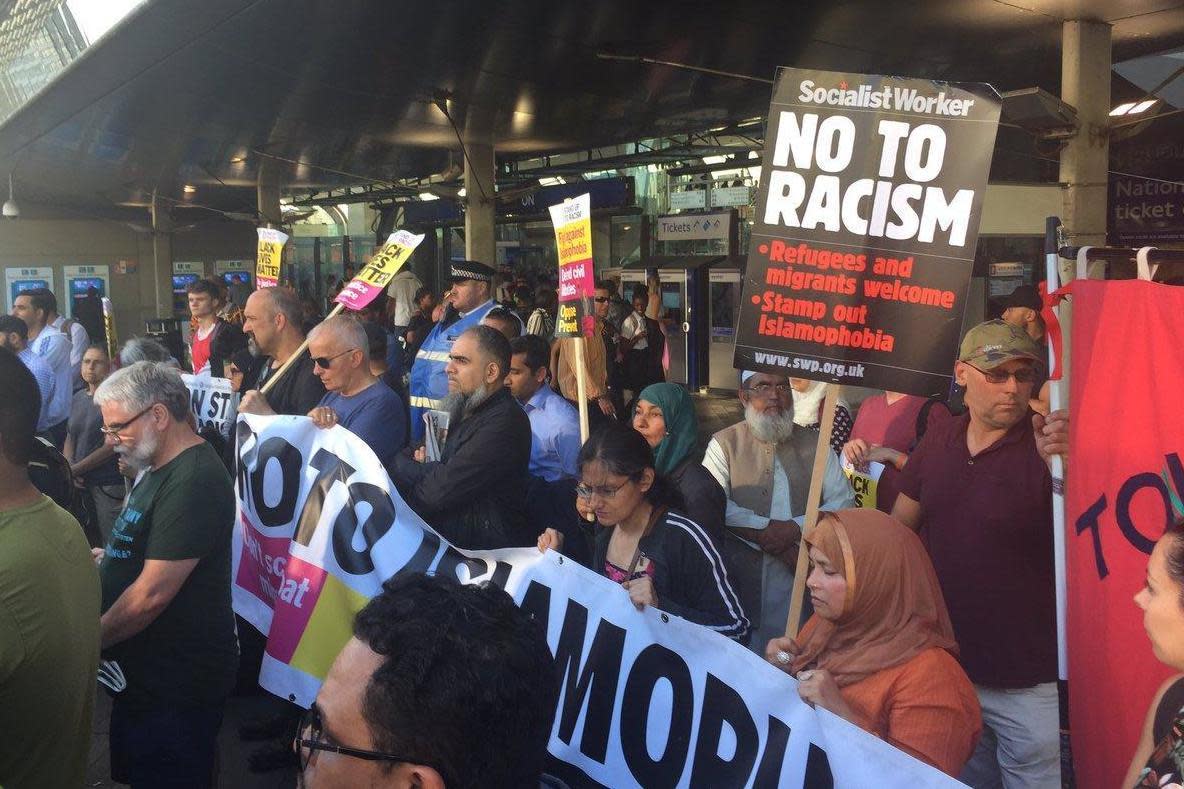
<point>165,575</point>
<point>764,465</point>
<point>474,496</point>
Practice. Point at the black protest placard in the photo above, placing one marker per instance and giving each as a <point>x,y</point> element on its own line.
<point>865,228</point>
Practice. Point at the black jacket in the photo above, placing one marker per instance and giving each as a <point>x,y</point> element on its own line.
<point>703,500</point>
<point>689,575</point>
<point>475,495</point>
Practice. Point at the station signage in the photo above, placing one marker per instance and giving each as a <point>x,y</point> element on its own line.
<point>716,226</point>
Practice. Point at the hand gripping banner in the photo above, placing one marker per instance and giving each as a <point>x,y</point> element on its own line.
<point>647,699</point>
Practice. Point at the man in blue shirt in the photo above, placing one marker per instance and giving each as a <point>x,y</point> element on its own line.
<point>554,422</point>
<point>14,335</point>
<point>355,398</point>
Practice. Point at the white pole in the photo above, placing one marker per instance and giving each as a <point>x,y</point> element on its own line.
<point>1056,401</point>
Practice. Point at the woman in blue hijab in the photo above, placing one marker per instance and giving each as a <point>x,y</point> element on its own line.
<point>665,416</point>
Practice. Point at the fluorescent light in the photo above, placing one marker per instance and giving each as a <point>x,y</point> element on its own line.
<point>1122,109</point>
<point>1133,107</point>
<point>551,181</point>
<point>714,159</point>
<point>1142,106</point>
<point>427,196</point>
<point>188,189</point>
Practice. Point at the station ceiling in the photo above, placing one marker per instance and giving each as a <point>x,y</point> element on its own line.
<point>315,95</point>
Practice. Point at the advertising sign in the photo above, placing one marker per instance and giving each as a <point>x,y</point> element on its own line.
<point>25,278</point>
<point>865,227</point>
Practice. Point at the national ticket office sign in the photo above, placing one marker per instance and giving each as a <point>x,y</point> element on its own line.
<point>577,282</point>
<point>377,274</point>
<point>646,698</point>
<point>865,228</point>
<point>269,257</point>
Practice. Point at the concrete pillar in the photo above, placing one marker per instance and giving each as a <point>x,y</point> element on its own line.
<point>480,175</point>
<point>1085,84</point>
<point>162,258</point>
<point>268,193</point>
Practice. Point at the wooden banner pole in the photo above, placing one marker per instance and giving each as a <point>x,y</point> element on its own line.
<point>581,388</point>
<point>825,427</point>
<point>271,382</point>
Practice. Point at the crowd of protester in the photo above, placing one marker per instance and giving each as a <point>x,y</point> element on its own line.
<point>944,646</point>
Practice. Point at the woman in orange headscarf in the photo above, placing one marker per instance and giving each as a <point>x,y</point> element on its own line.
<point>879,650</point>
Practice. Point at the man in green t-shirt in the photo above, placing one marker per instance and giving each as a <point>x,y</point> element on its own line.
<point>49,611</point>
<point>165,572</point>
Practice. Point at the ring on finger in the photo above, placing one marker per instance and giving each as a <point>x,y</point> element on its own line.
<point>783,657</point>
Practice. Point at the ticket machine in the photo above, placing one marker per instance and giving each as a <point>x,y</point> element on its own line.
<point>18,280</point>
<point>79,281</point>
<point>723,308</point>
<point>683,291</point>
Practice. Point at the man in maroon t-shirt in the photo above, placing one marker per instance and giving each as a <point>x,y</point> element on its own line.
<point>979,489</point>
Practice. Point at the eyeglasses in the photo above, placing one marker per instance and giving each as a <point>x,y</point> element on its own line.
<point>601,299</point>
<point>765,389</point>
<point>323,362</point>
<point>603,491</point>
<point>1024,375</point>
<point>310,738</point>
<point>117,428</point>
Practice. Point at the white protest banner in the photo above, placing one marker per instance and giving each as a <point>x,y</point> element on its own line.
<point>647,699</point>
<point>269,256</point>
<point>213,401</point>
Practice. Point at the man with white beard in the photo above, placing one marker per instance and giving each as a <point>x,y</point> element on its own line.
<point>474,496</point>
<point>764,466</point>
<point>165,575</point>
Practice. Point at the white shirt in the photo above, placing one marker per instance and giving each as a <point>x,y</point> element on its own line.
<point>402,291</point>
<point>836,491</point>
<point>633,325</point>
<point>54,347</point>
<point>79,341</point>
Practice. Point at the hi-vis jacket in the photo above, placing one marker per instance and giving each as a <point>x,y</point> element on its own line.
<point>429,384</point>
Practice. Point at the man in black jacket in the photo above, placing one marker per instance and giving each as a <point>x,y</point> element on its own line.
<point>474,496</point>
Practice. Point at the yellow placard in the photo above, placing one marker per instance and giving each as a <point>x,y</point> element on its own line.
<point>269,257</point>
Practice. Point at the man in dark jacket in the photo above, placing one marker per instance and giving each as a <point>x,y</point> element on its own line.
<point>474,496</point>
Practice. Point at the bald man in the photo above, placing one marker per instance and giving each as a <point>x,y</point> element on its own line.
<point>356,399</point>
<point>271,321</point>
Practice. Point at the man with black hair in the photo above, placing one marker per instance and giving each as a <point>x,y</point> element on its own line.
<point>213,340</point>
<point>49,606</point>
<point>14,335</point>
<point>474,495</point>
<point>554,422</point>
<point>504,320</point>
<point>37,308</point>
<point>442,685</point>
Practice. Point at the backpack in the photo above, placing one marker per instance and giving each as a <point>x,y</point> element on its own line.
<point>49,471</point>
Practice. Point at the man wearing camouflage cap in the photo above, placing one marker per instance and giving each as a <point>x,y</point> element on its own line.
<point>981,487</point>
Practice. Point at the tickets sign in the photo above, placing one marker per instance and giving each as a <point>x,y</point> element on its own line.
<point>573,239</point>
<point>865,229</point>
<point>269,257</point>
<point>376,275</point>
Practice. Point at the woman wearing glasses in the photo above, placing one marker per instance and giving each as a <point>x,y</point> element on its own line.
<point>661,558</point>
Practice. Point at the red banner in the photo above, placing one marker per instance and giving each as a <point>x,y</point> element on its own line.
<point>1125,481</point>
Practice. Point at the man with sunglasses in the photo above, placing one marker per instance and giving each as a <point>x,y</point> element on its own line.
<point>355,398</point>
<point>166,613</point>
<point>441,685</point>
<point>980,485</point>
<point>764,464</point>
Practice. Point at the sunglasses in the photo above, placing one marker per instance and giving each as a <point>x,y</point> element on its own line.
<point>325,361</point>
<point>1024,375</point>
